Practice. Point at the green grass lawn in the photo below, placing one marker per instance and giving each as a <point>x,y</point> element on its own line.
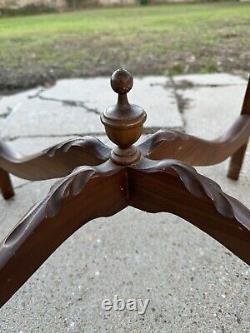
<point>172,38</point>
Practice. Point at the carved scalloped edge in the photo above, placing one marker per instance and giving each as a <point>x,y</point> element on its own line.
<point>151,141</point>
<point>224,146</point>
<point>202,187</point>
<point>56,161</point>
<point>86,143</point>
<point>69,187</point>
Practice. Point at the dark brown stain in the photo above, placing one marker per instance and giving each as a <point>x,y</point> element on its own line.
<point>151,176</point>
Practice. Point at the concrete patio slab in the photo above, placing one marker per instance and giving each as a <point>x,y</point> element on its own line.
<point>2,123</point>
<point>14,102</point>
<point>43,118</point>
<point>214,109</point>
<point>73,107</point>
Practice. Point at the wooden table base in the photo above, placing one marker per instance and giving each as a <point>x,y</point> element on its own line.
<point>151,176</point>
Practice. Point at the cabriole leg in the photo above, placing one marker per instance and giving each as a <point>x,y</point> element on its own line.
<point>6,185</point>
<point>85,194</point>
<point>171,186</point>
<point>238,157</point>
<point>236,163</point>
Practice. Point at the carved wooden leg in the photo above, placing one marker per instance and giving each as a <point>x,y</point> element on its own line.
<point>193,150</point>
<point>54,162</point>
<point>236,163</point>
<point>85,194</point>
<point>171,186</point>
<point>197,151</point>
<point>129,179</point>
<point>238,157</point>
<point>6,185</point>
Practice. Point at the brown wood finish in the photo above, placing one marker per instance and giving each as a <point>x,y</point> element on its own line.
<point>195,151</point>
<point>200,152</point>
<point>124,122</point>
<point>54,162</point>
<point>171,186</point>
<point>238,157</point>
<point>6,185</point>
<point>126,177</point>
<point>87,193</point>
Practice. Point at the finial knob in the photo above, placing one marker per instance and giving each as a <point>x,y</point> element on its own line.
<point>123,122</point>
<point>121,81</point>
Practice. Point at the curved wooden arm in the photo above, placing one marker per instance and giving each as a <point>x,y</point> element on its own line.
<point>196,151</point>
<point>56,161</point>
<point>85,194</point>
<point>171,186</point>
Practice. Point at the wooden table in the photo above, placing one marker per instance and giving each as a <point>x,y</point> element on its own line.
<point>154,176</point>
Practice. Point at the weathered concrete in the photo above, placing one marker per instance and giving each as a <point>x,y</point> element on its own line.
<point>73,107</point>
<point>15,102</point>
<point>217,79</point>
<point>43,118</point>
<point>148,92</point>
<point>214,109</point>
<point>193,283</point>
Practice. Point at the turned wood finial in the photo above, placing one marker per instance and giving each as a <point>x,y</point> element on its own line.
<point>123,122</point>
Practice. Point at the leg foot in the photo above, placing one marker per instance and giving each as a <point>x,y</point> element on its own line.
<point>236,163</point>
<point>238,157</point>
<point>6,185</point>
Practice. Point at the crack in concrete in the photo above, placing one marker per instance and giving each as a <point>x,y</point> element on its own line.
<point>182,85</point>
<point>4,115</point>
<point>158,84</point>
<point>186,84</point>
<point>72,103</point>
<point>9,110</point>
<point>182,102</point>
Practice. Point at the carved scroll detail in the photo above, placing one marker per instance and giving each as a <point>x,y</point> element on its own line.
<point>125,178</point>
<point>56,161</point>
<point>48,208</point>
<point>171,186</point>
<point>85,194</point>
<point>201,186</point>
<point>193,150</point>
<point>68,188</point>
<point>99,150</point>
